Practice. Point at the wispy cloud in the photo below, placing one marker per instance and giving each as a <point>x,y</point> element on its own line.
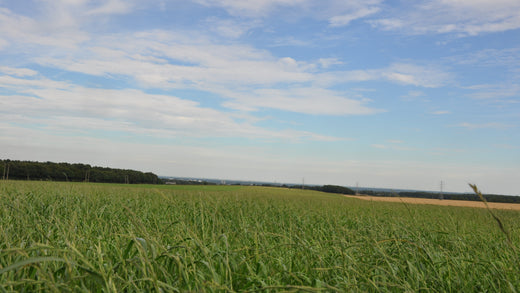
<point>328,62</point>
<point>393,145</point>
<point>379,146</point>
<point>230,28</point>
<point>67,107</point>
<point>345,19</point>
<point>495,92</point>
<point>428,76</point>
<point>395,141</point>
<point>425,76</point>
<point>196,61</point>
<point>56,24</point>
<point>258,8</point>
<point>414,96</point>
<point>491,125</point>
<point>337,13</point>
<point>22,31</point>
<point>508,57</point>
<point>112,7</point>
<point>188,59</point>
<point>465,18</point>
<point>301,100</point>
<point>20,72</point>
<point>290,41</point>
<point>225,70</point>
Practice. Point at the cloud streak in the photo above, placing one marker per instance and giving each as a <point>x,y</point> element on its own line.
<point>67,107</point>
<point>171,61</point>
<point>464,18</point>
<point>337,13</point>
<point>490,125</point>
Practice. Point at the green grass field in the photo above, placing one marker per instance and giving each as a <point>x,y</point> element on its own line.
<point>78,237</point>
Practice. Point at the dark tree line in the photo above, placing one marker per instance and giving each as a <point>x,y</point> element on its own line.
<point>188,182</point>
<point>328,189</point>
<point>334,189</point>
<point>29,170</point>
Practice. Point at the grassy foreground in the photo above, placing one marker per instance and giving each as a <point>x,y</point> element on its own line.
<point>118,238</point>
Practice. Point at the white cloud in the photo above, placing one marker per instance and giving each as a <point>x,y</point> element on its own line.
<point>389,23</point>
<point>65,107</point>
<point>80,8</point>
<point>338,13</point>
<point>462,17</point>
<point>56,23</point>
<point>229,28</point>
<point>17,71</point>
<point>25,84</point>
<point>162,59</point>
<point>291,41</point>
<point>328,62</point>
<point>401,78</point>
<point>395,145</point>
<point>112,7</point>
<point>301,100</point>
<point>3,44</point>
<point>243,75</point>
<point>429,76</point>
<point>250,8</point>
<point>414,96</point>
<point>417,75</point>
<point>343,20</point>
<point>22,32</point>
<point>197,61</point>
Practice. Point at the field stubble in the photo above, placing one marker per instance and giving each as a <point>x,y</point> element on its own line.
<point>444,202</point>
<point>93,237</point>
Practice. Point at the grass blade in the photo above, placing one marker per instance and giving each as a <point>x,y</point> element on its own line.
<point>29,261</point>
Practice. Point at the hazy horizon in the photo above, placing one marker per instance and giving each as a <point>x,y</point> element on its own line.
<point>387,94</point>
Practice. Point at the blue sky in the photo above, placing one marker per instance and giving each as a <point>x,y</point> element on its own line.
<point>398,94</point>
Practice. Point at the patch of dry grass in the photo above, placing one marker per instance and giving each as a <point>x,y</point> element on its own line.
<point>444,202</point>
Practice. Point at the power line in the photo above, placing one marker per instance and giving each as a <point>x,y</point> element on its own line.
<point>441,195</point>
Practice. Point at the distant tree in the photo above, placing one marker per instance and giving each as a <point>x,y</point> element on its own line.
<point>329,189</point>
<point>336,189</point>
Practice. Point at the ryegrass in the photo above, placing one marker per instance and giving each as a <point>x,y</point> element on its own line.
<point>119,238</point>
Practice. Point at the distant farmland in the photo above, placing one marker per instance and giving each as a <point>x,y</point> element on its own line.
<point>444,202</point>
<point>65,236</point>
